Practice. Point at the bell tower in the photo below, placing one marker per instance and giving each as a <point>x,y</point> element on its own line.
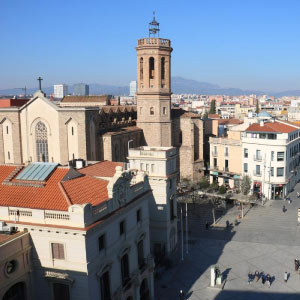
<point>154,87</point>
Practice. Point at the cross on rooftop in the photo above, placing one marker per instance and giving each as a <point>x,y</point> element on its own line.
<point>40,82</point>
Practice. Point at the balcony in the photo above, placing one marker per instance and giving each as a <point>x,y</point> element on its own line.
<point>257,158</point>
<point>226,169</point>
<point>214,168</point>
<point>257,173</point>
<point>214,153</point>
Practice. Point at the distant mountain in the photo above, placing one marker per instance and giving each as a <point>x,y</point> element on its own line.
<point>179,86</point>
<point>187,86</point>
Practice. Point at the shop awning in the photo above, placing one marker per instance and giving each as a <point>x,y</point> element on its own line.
<point>214,173</point>
<point>236,176</point>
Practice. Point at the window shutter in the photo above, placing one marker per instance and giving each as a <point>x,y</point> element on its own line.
<point>61,251</point>
<point>55,253</point>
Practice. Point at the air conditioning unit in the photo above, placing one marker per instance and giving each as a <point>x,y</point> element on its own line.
<point>7,229</point>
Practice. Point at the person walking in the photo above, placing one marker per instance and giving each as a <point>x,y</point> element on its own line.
<point>181,295</point>
<point>256,275</point>
<point>250,276</point>
<point>283,208</point>
<point>296,265</point>
<point>285,276</point>
<point>268,279</point>
<point>263,278</point>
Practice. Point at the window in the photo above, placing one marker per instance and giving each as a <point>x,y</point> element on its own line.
<point>226,151</point>
<point>105,286</point>
<point>245,167</point>
<point>125,269</point>
<point>272,171</point>
<point>60,291</point>
<point>58,251</point>
<point>257,170</point>
<point>272,155</point>
<point>138,215</point>
<point>215,162</point>
<point>141,109</point>
<point>152,168</point>
<point>142,166</point>
<point>8,155</point>
<point>280,156</point>
<point>122,227</point>
<point>280,172</point>
<point>41,139</point>
<point>147,167</point>
<point>151,110</point>
<point>151,68</point>
<point>6,129</point>
<point>101,242</point>
<point>141,68</point>
<point>164,110</point>
<point>140,249</point>
<point>245,153</point>
<point>258,154</point>
<point>163,68</point>
<point>72,129</point>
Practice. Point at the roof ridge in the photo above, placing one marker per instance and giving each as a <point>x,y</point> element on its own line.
<point>62,189</point>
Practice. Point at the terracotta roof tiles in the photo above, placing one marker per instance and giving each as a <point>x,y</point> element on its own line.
<point>271,127</point>
<point>102,169</point>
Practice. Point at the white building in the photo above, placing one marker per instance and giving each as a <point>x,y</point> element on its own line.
<point>160,165</point>
<point>132,88</point>
<point>60,91</point>
<point>89,229</point>
<point>271,157</point>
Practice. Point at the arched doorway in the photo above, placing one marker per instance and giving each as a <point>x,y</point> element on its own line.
<point>16,292</point>
<point>144,291</point>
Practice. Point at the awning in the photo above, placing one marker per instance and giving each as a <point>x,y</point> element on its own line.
<point>214,173</point>
<point>236,176</point>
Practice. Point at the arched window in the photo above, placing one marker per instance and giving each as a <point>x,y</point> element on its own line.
<point>151,67</point>
<point>141,68</point>
<point>163,68</point>
<point>151,110</point>
<point>41,140</point>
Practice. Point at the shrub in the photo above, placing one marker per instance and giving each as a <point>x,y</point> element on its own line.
<point>203,183</point>
<point>246,185</point>
<point>214,186</point>
<point>222,189</point>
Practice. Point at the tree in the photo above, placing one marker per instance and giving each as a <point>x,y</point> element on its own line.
<point>257,106</point>
<point>212,109</point>
<point>205,115</point>
<point>246,185</point>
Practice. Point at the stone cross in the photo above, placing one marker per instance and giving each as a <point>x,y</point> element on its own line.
<point>40,83</point>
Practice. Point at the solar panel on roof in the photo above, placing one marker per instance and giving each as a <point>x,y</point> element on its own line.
<point>37,171</point>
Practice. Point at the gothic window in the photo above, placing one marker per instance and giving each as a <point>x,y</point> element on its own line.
<point>41,139</point>
<point>151,110</point>
<point>151,67</point>
<point>141,68</point>
<point>163,68</point>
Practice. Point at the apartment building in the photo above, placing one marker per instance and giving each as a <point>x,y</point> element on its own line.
<point>89,230</point>
<point>271,157</point>
<point>226,159</point>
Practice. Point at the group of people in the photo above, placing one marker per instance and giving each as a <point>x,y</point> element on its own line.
<point>265,278</point>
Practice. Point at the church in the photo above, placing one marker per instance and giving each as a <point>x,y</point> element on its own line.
<point>42,130</point>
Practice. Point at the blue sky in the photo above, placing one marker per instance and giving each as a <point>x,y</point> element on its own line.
<point>247,44</point>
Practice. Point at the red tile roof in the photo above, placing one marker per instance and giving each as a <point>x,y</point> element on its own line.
<point>84,189</point>
<point>230,121</point>
<point>213,116</point>
<point>102,169</point>
<point>271,127</point>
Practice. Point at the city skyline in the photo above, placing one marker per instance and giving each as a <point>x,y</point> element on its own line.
<point>228,44</point>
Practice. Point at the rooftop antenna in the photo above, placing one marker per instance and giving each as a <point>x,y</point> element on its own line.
<point>40,82</point>
<point>153,27</point>
<point>23,89</point>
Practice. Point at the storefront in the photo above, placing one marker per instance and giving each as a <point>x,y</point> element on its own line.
<point>257,188</point>
<point>277,191</point>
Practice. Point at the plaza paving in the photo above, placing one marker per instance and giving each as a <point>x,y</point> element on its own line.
<point>265,240</point>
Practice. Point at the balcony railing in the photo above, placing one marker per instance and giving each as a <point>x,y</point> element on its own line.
<point>226,169</point>
<point>257,173</point>
<point>257,158</point>
<point>214,153</point>
<point>214,168</point>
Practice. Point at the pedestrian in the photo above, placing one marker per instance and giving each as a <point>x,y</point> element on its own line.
<point>227,224</point>
<point>181,295</point>
<point>250,276</point>
<point>206,225</point>
<point>296,265</point>
<point>256,275</point>
<point>298,194</point>
<point>283,208</point>
<point>285,276</point>
<point>263,278</point>
<point>268,279</point>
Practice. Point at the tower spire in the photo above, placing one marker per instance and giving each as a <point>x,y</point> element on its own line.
<point>154,27</point>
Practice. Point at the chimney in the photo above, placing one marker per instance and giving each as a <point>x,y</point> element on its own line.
<point>261,123</point>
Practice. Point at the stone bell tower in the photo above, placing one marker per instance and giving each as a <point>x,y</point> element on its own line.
<point>154,87</point>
